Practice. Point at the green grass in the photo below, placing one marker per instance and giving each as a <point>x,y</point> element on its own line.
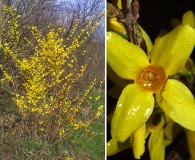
<point>90,146</point>
<point>78,145</point>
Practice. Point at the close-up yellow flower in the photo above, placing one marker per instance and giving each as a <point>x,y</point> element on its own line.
<point>189,18</point>
<point>151,80</point>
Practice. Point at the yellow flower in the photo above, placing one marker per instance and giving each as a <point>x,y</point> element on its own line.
<point>114,147</point>
<point>61,132</point>
<point>150,76</point>
<point>189,19</point>
<point>191,142</point>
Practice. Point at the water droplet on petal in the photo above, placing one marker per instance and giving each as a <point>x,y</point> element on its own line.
<point>133,111</point>
<point>147,113</point>
<point>120,105</point>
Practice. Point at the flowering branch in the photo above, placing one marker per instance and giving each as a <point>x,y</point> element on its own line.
<point>128,16</point>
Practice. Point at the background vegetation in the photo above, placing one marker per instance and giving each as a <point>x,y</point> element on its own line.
<point>51,79</point>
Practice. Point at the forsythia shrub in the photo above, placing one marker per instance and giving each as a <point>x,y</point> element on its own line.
<point>45,81</point>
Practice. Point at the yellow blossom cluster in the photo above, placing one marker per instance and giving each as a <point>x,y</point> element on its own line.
<point>45,79</point>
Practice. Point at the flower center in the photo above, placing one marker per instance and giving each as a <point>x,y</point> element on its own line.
<point>151,78</point>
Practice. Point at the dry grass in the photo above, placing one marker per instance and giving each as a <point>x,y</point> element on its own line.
<point>19,141</point>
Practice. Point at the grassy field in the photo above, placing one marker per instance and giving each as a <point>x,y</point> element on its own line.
<point>83,144</point>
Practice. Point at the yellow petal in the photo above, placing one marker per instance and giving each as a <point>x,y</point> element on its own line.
<point>133,109</point>
<point>191,143</point>
<point>125,58</point>
<point>147,40</point>
<point>116,79</point>
<point>156,146</point>
<point>138,142</point>
<point>110,115</point>
<point>115,26</point>
<point>114,147</point>
<point>118,3</point>
<point>189,19</point>
<point>172,50</point>
<point>160,35</point>
<point>171,130</point>
<point>178,103</point>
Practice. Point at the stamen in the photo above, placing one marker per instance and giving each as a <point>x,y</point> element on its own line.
<point>151,78</point>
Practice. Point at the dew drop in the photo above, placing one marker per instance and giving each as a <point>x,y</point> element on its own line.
<point>120,105</point>
<point>147,113</point>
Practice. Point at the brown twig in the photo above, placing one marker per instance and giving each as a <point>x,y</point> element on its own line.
<point>128,16</point>
<point>131,14</point>
<point>114,11</point>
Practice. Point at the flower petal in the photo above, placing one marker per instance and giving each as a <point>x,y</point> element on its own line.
<point>191,143</point>
<point>134,107</point>
<point>116,79</point>
<point>114,147</point>
<point>171,130</point>
<point>172,50</point>
<point>125,58</point>
<point>138,142</point>
<point>178,103</point>
<point>147,40</point>
<point>156,145</point>
<point>115,26</point>
<point>188,18</point>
